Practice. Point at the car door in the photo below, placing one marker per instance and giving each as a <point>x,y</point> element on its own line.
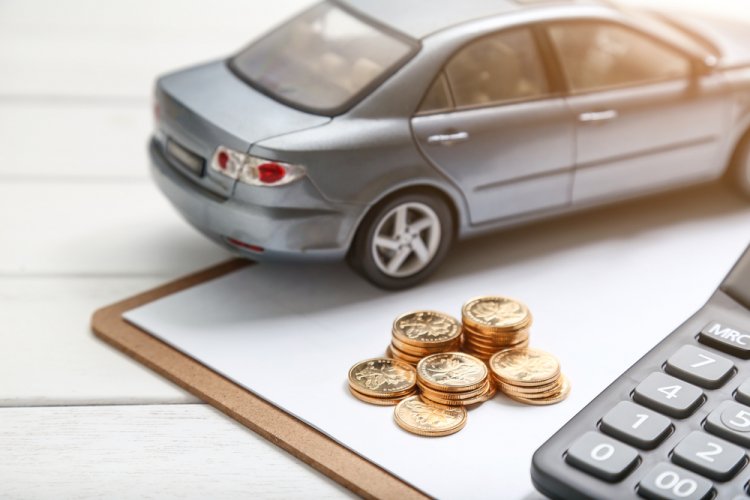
<point>646,120</point>
<point>493,123</point>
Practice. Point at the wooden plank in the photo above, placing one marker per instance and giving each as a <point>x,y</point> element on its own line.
<point>68,139</point>
<point>51,357</point>
<point>156,451</point>
<point>87,49</point>
<point>105,228</point>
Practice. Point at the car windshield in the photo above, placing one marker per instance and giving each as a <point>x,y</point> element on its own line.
<point>321,60</point>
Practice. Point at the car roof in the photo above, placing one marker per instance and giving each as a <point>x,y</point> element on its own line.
<point>420,18</point>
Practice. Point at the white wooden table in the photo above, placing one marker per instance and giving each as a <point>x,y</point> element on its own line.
<point>81,226</point>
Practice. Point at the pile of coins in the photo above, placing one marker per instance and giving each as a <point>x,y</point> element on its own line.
<point>454,379</point>
<point>432,399</point>
<point>529,376</point>
<point>422,333</point>
<point>382,381</point>
<point>492,324</point>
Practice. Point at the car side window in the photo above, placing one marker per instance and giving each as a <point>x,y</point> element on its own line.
<point>599,56</point>
<point>496,69</point>
<point>437,98</point>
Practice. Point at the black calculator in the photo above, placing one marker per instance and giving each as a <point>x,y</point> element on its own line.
<point>675,425</point>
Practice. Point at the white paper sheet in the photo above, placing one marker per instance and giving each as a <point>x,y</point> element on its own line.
<point>604,287</point>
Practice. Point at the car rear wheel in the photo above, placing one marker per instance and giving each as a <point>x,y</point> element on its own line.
<point>740,173</point>
<point>402,241</point>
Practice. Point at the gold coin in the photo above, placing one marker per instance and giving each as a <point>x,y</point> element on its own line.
<point>382,377</point>
<point>454,395</point>
<point>426,327</point>
<point>529,390</point>
<point>399,354</point>
<point>525,366</point>
<point>550,391</point>
<point>549,400</point>
<point>495,314</point>
<point>485,395</point>
<point>379,401</point>
<point>415,416</point>
<point>425,349</point>
<point>518,336</point>
<point>480,345</point>
<point>452,372</point>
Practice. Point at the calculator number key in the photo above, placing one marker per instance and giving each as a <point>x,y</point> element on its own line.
<point>669,482</point>
<point>636,425</point>
<point>709,455</point>
<point>731,421</point>
<point>668,395</point>
<point>602,456</point>
<point>700,367</point>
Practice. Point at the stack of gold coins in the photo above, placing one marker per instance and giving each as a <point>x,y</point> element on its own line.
<point>425,419</point>
<point>382,381</point>
<point>454,379</point>
<point>421,333</point>
<point>492,324</point>
<point>529,376</point>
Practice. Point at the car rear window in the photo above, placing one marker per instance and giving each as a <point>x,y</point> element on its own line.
<point>323,59</point>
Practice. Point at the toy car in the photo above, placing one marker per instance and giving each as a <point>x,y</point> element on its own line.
<point>381,131</point>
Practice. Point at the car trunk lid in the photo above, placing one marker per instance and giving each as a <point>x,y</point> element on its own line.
<point>206,106</point>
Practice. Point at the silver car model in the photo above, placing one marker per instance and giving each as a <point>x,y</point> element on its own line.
<point>382,130</point>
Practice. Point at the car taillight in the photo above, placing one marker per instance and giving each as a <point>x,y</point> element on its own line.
<point>222,159</point>
<point>270,173</point>
<point>253,170</point>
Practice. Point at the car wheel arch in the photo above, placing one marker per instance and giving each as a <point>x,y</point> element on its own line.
<point>458,212</point>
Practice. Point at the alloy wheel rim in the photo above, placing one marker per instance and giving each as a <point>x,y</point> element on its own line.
<point>406,239</point>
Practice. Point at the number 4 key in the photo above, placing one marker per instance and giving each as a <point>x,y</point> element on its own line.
<point>668,395</point>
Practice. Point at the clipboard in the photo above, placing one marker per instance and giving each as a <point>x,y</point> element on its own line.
<point>280,428</point>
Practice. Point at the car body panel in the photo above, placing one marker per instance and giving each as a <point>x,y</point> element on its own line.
<point>664,134</point>
<point>345,159</point>
<point>516,158</point>
<point>283,233</point>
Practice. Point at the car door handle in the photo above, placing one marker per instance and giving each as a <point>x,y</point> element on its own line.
<point>598,116</point>
<point>448,139</point>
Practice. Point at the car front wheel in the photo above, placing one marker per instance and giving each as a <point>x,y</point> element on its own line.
<point>402,241</point>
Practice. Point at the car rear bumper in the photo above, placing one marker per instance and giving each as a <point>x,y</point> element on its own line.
<point>282,233</point>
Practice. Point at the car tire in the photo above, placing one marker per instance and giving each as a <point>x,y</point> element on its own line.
<point>403,240</point>
<point>740,171</point>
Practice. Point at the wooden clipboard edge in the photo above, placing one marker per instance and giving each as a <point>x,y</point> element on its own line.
<point>309,445</point>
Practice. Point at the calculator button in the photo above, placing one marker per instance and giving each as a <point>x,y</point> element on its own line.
<point>726,338</point>
<point>669,482</point>
<point>602,456</point>
<point>709,455</point>
<point>700,367</point>
<point>731,421</point>
<point>743,392</point>
<point>668,395</point>
<point>636,425</point>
